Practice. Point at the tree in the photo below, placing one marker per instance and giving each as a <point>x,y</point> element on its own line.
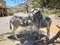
<point>41,3</point>
<point>46,3</point>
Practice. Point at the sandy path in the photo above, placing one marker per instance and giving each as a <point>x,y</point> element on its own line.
<point>4,23</point>
<point>4,27</point>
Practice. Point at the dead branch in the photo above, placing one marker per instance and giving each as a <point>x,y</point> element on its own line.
<point>54,38</point>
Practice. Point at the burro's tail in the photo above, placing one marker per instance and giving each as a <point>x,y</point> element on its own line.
<point>10,25</point>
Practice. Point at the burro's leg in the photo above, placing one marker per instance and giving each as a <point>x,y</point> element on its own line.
<point>48,32</point>
<point>13,32</point>
<point>31,26</point>
<point>28,42</point>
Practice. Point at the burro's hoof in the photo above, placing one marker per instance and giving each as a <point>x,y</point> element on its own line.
<point>18,43</point>
<point>28,42</point>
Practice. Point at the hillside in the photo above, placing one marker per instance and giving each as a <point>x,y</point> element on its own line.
<point>23,4</point>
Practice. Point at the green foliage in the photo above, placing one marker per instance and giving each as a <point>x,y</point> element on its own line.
<point>23,9</point>
<point>52,5</point>
<point>53,2</point>
<point>46,12</point>
<point>46,3</point>
<point>36,3</point>
<point>10,12</point>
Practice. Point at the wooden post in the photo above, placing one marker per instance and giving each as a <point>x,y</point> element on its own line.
<point>2,12</point>
<point>54,38</point>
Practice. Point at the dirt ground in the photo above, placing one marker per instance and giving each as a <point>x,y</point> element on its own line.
<point>5,41</point>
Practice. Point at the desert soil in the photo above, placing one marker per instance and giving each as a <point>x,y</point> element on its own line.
<point>4,28</point>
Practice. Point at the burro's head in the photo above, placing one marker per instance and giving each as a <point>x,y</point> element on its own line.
<point>35,10</point>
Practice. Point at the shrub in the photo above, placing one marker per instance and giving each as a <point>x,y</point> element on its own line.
<point>23,9</point>
<point>10,12</point>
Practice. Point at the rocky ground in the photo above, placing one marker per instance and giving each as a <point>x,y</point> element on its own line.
<point>4,29</point>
